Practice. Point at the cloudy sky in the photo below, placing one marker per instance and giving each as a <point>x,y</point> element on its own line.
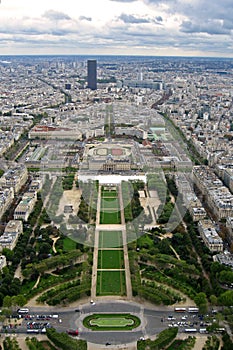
<point>137,27</point>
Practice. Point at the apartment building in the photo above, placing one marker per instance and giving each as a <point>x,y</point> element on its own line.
<point>229,226</point>
<point>6,198</point>
<point>26,205</point>
<point>15,177</point>
<point>217,196</point>
<point>197,213</point>
<point>225,258</point>
<point>210,236</point>
<point>11,234</point>
<point>2,262</point>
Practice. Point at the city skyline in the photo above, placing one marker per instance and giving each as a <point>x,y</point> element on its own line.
<point>117,27</point>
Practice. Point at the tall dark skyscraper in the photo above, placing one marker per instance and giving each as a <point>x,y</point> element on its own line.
<point>91,74</point>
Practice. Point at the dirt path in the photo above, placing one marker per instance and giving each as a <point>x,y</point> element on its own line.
<point>200,342</point>
<point>37,282</point>
<point>18,273</point>
<point>54,243</point>
<point>174,251</point>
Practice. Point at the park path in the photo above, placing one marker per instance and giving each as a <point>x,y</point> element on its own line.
<point>125,247</point>
<point>91,346</point>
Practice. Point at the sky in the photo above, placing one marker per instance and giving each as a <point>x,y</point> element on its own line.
<point>117,27</point>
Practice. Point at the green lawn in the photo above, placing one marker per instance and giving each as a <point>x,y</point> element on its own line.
<point>113,322</point>
<point>110,283</point>
<point>110,239</point>
<point>110,203</point>
<point>110,259</point>
<point>110,217</point>
<point>68,244</point>
<point>106,193</point>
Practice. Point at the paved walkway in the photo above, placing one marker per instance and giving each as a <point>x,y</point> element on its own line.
<point>91,346</point>
<point>125,247</point>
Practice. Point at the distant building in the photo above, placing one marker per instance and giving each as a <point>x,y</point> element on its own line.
<point>54,133</point>
<point>92,74</point>
<point>144,84</point>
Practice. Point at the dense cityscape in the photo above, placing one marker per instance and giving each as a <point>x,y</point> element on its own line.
<point>116,199</point>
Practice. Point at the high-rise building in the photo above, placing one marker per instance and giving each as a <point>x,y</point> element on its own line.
<point>91,74</point>
<point>68,86</point>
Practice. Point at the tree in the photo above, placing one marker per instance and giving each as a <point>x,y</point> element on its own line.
<point>19,300</point>
<point>213,300</point>
<point>8,254</point>
<point>7,301</point>
<point>226,298</point>
<point>202,302</point>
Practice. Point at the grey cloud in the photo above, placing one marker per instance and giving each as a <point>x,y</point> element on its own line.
<point>132,19</point>
<point>84,18</point>
<point>213,17</point>
<point>132,31</point>
<point>56,15</point>
<point>159,19</point>
<point>209,27</point>
<point>201,9</point>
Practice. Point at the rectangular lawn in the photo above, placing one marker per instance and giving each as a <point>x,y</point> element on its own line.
<point>109,217</point>
<point>110,203</point>
<point>106,193</point>
<point>111,283</point>
<point>110,259</point>
<point>110,239</point>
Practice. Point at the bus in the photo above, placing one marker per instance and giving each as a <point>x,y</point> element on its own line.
<point>180,309</point>
<point>203,330</point>
<point>220,330</point>
<point>23,311</point>
<point>32,330</point>
<point>190,330</point>
<point>193,309</point>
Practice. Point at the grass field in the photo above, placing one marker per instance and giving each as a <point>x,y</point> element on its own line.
<point>110,203</point>
<point>113,322</point>
<point>110,239</point>
<point>110,283</point>
<point>68,244</point>
<point>109,193</point>
<point>110,259</point>
<point>109,217</point>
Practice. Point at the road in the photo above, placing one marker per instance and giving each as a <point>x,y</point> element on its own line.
<point>153,320</point>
